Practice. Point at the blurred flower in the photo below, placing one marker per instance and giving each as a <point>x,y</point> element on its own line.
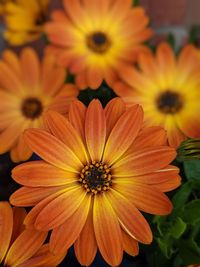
<point>168,90</point>
<point>99,167</point>
<point>27,89</point>
<point>2,5</point>
<point>195,265</point>
<point>19,246</point>
<point>24,20</point>
<point>96,38</point>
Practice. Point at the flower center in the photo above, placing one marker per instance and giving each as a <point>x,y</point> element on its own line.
<point>96,177</point>
<point>32,108</point>
<point>98,42</point>
<point>169,102</point>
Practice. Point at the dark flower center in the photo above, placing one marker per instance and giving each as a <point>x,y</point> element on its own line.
<point>169,102</point>
<point>32,108</point>
<point>98,42</point>
<point>40,20</point>
<point>96,177</point>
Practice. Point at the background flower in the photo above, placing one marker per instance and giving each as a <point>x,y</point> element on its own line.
<point>168,90</point>
<point>19,246</point>
<point>24,20</point>
<point>28,87</point>
<point>99,167</point>
<point>96,38</point>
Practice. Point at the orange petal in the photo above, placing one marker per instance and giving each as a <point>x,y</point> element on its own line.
<point>107,231</point>
<point>31,196</point>
<point>43,258</point>
<point>61,128</point>
<point>131,220</point>
<point>19,215</point>
<point>23,151</point>
<point>94,77</point>
<point>30,67</point>
<point>19,252</point>
<point>81,81</point>
<point>52,150</point>
<point>149,137</point>
<point>85,254</point>
<point>32,215</point>
<point>6,226</point>
<point>172,183</point>
<point>113,111</point>
<point>40,173</point>
<point>130,245</point>
<point>95,130</point>
<point>65,235</point>
<point>60,209</point>
<point>144,161</point>
<point>12,60</point>
<point>123,134</point>
<point>77,112</point>
<point>145,197</point>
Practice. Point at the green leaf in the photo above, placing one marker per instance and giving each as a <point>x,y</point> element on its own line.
<point>177,228</point>
<point>166,246</point>
<point>192,168</point>
<point>189,252</point>
<point>191,212</point>
<point>136,2</point>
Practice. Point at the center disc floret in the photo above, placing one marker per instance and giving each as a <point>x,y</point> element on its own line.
<point>96,177</point>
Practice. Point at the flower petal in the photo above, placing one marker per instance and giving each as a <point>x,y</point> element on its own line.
<point>65,235</point>
<point>144,161</point>
<point>131,220</point>
<point>123,134</point>
<point>61,128</point>
<point>18,253</point>
<point>130,245</point>
<point>60,209</point>
<point>107,231</point>
<point>85,254</point>
<point>52,150</point>
<point>6,226</point>
<point>113,111</point>
<point>77,112</point>
<point>19,215</point>
<point>95,130</point>
<point>145,197</point>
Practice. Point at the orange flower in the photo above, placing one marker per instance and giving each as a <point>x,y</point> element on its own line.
<point>95,38</point>
<point>168,90</point>
<point>19,246</point>
<point>99,167</point>
<point>27,89</point>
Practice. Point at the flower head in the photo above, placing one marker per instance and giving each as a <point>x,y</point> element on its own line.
<point>168,90</point>
<point>98,169</point>
<point>19,246</point>
<point>96,38</point>
<point>24,20</point>
<point>28,87</point>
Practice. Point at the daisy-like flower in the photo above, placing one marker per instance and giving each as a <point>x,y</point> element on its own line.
<point>95,38</point>
<point>24,20</point>
<point>20,247</point>
<point>168,90</point>
<point>28,87</point>
<point>99,168</point>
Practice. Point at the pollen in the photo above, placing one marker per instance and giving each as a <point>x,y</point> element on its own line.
<point>31,108</point>
<point>96,177</point>
<point>169,102</point>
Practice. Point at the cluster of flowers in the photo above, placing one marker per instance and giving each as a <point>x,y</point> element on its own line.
<point>99,166</point>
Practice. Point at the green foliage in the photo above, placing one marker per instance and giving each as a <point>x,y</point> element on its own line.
<point>136,2</point>
<point>177,236</point>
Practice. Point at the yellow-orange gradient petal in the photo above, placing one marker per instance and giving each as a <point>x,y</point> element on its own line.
<point>6,226</point>
<point>85,254</point>
<point>95,136</point>
<point>19,252</point>
<point>107,231</point>
<point>52,150</point>
<point>144,161</point>
<point>123,134</point>
<point>66,234</point>
<point>61,128</point>
<point>131,220</point>
<point>40,173</point>
<point>60,209</point>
